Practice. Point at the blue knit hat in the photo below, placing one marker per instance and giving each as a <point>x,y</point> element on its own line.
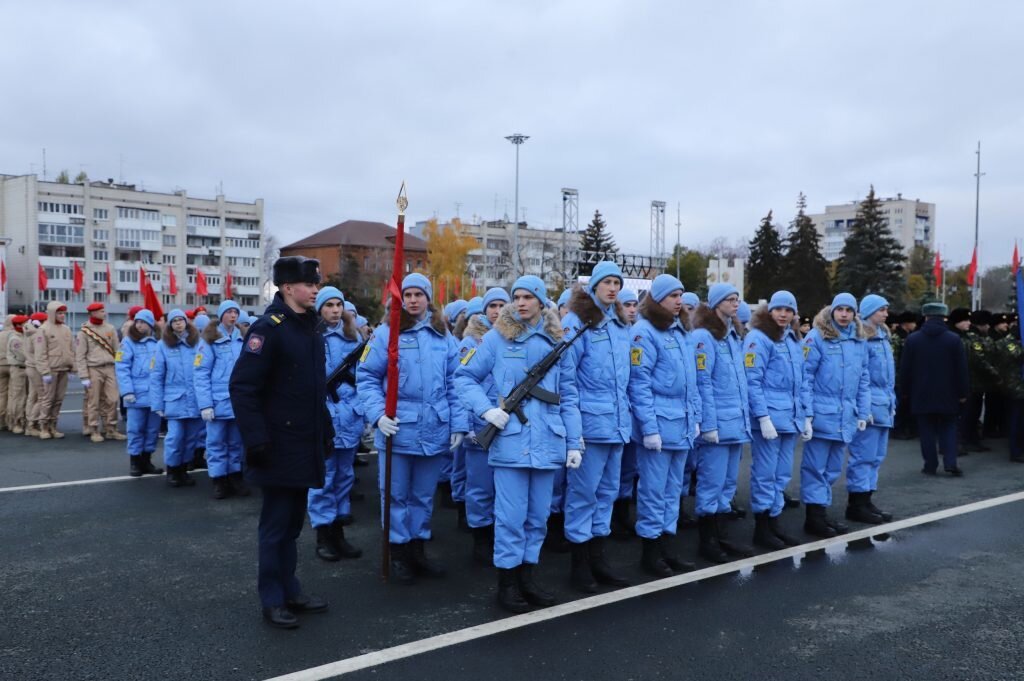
<point>146,316</point>
<point>563,299</point>
<point>176,314</point>
<point>743,312</point>
<point>783,299</point>
<point>475,306</point>
<point>417,280</point>
<point>690,298</point>
<point>495,294</point>
<point>361,321</point>
<point>870,304</point>
<point>628,296</point>
<point>349,307</point>
<point>328,293</point>
<point>665,284</point>
<point>720,292</point>
<point>603,270</point>
<point>844,300</point>
<point>228,305</point>
<point>243,318</point>
<point>454,309</point>
<point>534,285</point>
<point>201,321</point>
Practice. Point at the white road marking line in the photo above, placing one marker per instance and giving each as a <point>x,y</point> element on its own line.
<point>379,657</point>
<point>70,411</point>
<point>73,483</point>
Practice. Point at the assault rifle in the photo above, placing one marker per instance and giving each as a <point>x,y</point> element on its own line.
<point>529,387</point>
<point>343,373</point>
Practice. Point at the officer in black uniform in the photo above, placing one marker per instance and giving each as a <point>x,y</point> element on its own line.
<point>278,391</point>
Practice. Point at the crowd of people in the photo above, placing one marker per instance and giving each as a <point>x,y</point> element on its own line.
<point>640,400</point>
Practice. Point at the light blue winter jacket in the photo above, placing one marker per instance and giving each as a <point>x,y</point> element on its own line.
<point>172,389</point>
<point>718,353</point>
<point>774,363</point>
<point>503,358</point>
<point>215,360</point>
<point>347,414</point>
<point>133,366</point>
<point>882,375</point>
<point>472,337</point>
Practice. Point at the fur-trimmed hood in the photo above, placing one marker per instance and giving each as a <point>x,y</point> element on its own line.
<point>763,322</point>
<point>660,318</point>
<point>212,333</point>
<point>171,339</point>
<point>823,323</point>
<point>706,318</point>
<point>511,328</point>
<point>587,310</point>
<point>871,331</point>
<point>134,334</point>
<point>476,327</point>
<point>436,320</point>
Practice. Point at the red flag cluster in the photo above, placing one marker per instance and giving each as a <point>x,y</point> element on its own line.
<point>3,276</point>
<point>201,289</point>
<point>227,286</point>
<point>78,278</point>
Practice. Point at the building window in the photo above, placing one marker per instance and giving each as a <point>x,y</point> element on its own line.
<point>168,259</point>
<point>101,235</point>
<point>203,221</point>
<point>61,234</point>
<point>101,214</point>
<point>63,208</point>
<point>169,220</point>
<point>102,256</point>
<point>123,297</point>
<point>138,214</point>
<point>170,240</point>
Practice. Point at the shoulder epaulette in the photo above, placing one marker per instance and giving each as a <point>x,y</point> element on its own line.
<point>276,319</point>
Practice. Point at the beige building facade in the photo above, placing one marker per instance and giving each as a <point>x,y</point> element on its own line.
<point>911,221</point>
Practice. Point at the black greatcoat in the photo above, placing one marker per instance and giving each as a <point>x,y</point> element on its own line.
<point>278,392</point>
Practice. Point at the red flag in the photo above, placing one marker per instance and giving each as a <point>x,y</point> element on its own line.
<point>227,286</point>
<point>937,270</point>
<point>394,323</point>
<point>472,293</point>
<point>151,301</point>
<point>972,271</point>
<point>108,279</point>
<point>440,292</point>
<point>143,280</point>
<point>3,275</point>
<point>42,278</point>
<point>174,282</point>
<point>201,289</point>
<point>1015,263</point>
<point>78,277</point>
<point>458,286</point>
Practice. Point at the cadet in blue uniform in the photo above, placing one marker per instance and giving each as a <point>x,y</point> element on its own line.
<point>174,398</point>
<point>622,525</point>
<point>524,456</point>
<point>867,451</point>
<point>837,399</point>
<point>219,347</point>
<point>774,362</point>
<point>479,476</point>
<point>601,358</point>
<point>563,303</point>
<point>134,364</point>
<point>278,393</point>
<point>690,303</point>
<point>430,421</point>
<point>474,309</point>
<point>666,410</point>
<point>725,418</point>
<point>330,505</point>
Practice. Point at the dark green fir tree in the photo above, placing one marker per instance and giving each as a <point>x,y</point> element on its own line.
<point>764,264</point>
<point>872,260</point>
<point>804,269</point>
<point>596,238</point>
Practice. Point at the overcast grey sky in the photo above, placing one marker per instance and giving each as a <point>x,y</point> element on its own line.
<point>727,108</point>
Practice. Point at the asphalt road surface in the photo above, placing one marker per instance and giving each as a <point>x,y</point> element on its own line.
<point>129,579</point>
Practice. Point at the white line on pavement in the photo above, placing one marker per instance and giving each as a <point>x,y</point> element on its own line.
<point>379,657</point>
<point>73,483</point>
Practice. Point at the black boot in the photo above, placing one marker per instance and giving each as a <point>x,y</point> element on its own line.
<point>887,517</point>
<point>788,540</point>
<point>858,511</point>
<point>736,512</point>
<point>325,548</point>
<point>580,575</point>
<point>444,491</point>
<point>599,566</point>
<point>555,539</point>
<point>652,561</point>
<point>670,558</point>
<point>460,508</point>
<point>763,534</point>
<point>709,547</point>
<point>422,565</point>
<point>184,478</point>
<point>399,566</point>
<point>221,488</point>
<point>840,528</point>
<point>135,469</point>
<point>341,545</point>
<point>686,519</point>
<point>147,466</point>
<point>483,546</point>
<point>730,547</point>
<point>531,591</point>
<point>622,528</point>
<point>816,522</point>
<point>509,596</point>
<point>238,486</point>
<point>172,477</point>
<point>790,502</point>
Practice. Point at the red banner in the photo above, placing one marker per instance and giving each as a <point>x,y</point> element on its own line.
<point>972,271</point>
<point>3,275</point>
<point>1015,263</point>
<point>937,270</point>
<point>143,280</point>
<point>201,289</point>
<point>151,302</point>
<point>174,281</point>
<point>78,277</point>
<point>227,286</point>
<point>43,281</point>
<point>108,280</point>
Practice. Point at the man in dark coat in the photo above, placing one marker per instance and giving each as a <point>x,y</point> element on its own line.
<point>278,392</point>
<point>933,379</point>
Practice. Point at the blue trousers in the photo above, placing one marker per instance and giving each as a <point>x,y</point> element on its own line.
<point>691,466</point>
<point>447,463</point>
<point>479,487</point>
<point>590,492</point>
<point>332,500</point>
<point>867,451</point>
<point>713,464</point>
<point>183,437</point>
<point>558,490</point>
<point>938,430</point>
<point>732,473</point>
<point>281,520</point>
<point>770,471</point>
<point>659,489</point>
<point>522,501</point>
<point>459,474</point>
<point>820,467</point>
<point>143,429</point>
<point>628,471</point>
<point>223,448</point>
<point>413,483</point>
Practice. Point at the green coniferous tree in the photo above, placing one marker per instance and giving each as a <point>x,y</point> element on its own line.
<point>804,269</point>
<point>764,264</point>
<point>872,258</point>
<point>596,238</point>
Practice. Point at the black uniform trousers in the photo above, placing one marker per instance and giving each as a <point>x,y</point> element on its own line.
<point>281,520</point>
<point>940,430</point>
<point>1015,428</point>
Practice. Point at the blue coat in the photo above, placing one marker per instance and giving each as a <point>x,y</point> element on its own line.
<point>663,379</point>
<point>215,359</point>
<point>774,363</point>
<point>279,393</point>
<point>718,354</point>
<point>836,385</point>
<point>476,328</point>
<point>429,410</point>
<point>133,366</point>
<point>172,390</point>
<point>882,375</point>
<point>503,358</point>
<point>346,415</point>
<point>933,370</point>
<point>601,359</point>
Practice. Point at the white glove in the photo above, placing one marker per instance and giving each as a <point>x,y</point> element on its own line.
<point>652,442</point>
<point>696,430</point>
<point>711,436</point>
<point>471,436</point>
<point>583,445</point>
<point>47,379</point>
<point>871,419</point>
<point>159,412</point>
<point>862,424</point>
<point>388,426</point>
<point>497,418</point>
<point>456,440</point>
<point>574,458</point>
<point>808,431</point>
<point>207,414</point>
<point>129,398</point>
<point>768,431</point>
<point>86,383</point>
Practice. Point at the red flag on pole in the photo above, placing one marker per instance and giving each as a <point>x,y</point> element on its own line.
<point>174,282</point>
<point>227,286</point>
<point>3,275</point>
<point>937,270</point>
<point>201,289</point>
<point>78,277</point>
<point>143,280</point>
<point>151,301</point>
<point>472,293</point>
<point>42,278</point>
<point>458,286</point>
<point>108,279</point>
<point>1015,263</point>
<point>440,292</point>
<point>972,271</point>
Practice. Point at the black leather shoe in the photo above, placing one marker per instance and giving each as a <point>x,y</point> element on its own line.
<point>955,472</point>
<point>928,471</point>
<point>421,564</point>
<point>533,593</point>
<point>400,567</point>
<point>238,486</point>
<point>307,604</point>
<point>326,549</point>
<point>599,566</point>
<point>280,617</point>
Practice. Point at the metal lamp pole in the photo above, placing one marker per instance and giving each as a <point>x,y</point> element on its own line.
<point>516,139</point>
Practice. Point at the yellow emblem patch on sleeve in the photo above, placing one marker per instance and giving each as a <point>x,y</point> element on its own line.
<point>469,355</point>
<point>118,356</point>
<point>199,360</point>
<point>152,363</point>
<point>977,347</point>
<point>702,361</point>
<point>749,359</point>
<point>636,355</point>
<point>807,351</point>
<point>366,353</point>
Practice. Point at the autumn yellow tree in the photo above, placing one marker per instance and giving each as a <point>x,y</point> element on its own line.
<point>447,248</point>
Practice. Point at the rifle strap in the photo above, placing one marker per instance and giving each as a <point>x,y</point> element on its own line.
<point>99,339</point>
<point>543,395</point>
